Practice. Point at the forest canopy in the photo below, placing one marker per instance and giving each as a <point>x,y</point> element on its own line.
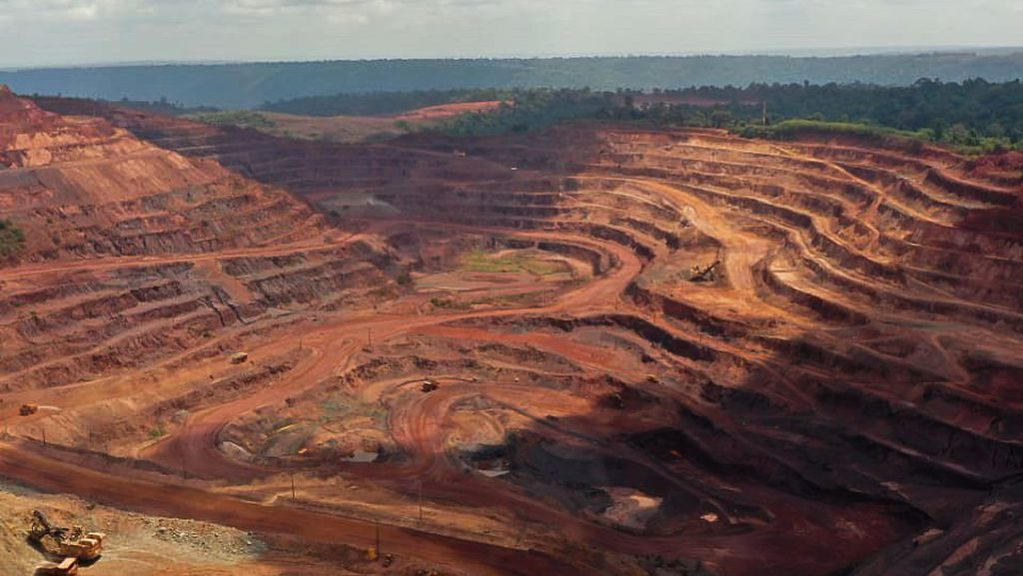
<point>974,114</point>
<point>249,85</point>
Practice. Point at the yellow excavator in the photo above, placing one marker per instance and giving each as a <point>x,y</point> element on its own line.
<point>70,544</point>
<point>704,274</point>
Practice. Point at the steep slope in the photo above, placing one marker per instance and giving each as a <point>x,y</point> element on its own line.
<point>79,187</point>
<point>862,284</point>
<point>794,358</point>
<point>133,253</point>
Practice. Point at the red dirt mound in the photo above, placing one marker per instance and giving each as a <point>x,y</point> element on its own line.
<point>442,111</point>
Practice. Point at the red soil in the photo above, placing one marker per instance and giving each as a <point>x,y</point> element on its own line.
<point>442,111</point>
<point>840,385</point>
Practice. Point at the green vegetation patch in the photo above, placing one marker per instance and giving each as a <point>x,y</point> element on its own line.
<point>242,118</point>
<point>508,300</point>
<point>338,409</point>
<point>12,239</point>
<point>974,116</point>
<point>792,129</point>
<point>533,109</point>
<point>479,261</point>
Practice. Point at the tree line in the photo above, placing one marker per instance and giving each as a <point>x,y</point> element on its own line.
<point>971,115</point>
<point>249,85</point>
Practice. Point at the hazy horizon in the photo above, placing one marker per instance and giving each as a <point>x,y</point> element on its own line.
<point>794,53</point>
<point>119,32</point>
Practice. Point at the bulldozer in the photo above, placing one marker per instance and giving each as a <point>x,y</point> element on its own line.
<point>65,542</point>
<point>28,409</point>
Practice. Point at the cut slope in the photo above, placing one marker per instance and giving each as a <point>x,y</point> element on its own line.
<point>133,253</point>
<point>842,382</point>
<point>79,187</point>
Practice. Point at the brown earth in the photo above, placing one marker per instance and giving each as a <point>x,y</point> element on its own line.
<point>346,129</point>
<point>840,395</point>
<point>442,111</point>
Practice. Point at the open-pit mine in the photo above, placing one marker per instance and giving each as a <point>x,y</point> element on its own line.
<point>594,349</point>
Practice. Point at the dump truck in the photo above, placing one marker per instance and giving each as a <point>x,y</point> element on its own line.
<point>28,409</point>
<point>239,357</point>
<point>66,567</point>
<point>429,386</point>
<point>67,542</point>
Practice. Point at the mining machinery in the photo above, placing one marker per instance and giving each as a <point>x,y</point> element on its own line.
<point>65,542</point>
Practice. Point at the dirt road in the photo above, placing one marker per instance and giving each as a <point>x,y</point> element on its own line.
<point>22,462</point>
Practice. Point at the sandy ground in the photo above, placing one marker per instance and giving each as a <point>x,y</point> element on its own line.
<point>355,129</point>
<point>139,544</point>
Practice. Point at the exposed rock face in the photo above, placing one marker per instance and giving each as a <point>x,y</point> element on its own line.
<point>80,188</point>
<point>131,251</point>
<point>19,117</point>
<point>846,394</point>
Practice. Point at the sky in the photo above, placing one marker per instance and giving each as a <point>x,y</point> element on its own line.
<point>70,32</point>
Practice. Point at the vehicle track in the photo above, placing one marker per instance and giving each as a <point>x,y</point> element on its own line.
<point>822,363</point>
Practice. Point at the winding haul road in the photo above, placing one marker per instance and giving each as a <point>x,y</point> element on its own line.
<point>195,444</point>
<point>417,425</point>
<point>331,346</point>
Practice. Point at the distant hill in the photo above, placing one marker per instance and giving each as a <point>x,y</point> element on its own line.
<point>250,85</point>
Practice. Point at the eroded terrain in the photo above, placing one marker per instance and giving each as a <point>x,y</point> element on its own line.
<point>593,350</point>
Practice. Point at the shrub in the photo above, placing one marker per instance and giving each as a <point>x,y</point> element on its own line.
<point>12,239</point>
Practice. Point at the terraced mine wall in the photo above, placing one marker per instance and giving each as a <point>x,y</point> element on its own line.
<point>816,344</point>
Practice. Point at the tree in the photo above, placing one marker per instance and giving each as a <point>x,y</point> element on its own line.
<point>721,118</point>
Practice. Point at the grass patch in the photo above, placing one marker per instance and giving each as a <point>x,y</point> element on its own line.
<point>343,408</point>
<point>792,129</point>
<point>479,261</point>
<point>527,298</point>
<point>242,118</point>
